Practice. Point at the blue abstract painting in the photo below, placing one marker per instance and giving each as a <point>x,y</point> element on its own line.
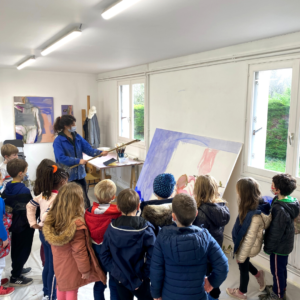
<point>34,118</point>
<point>186,156</point>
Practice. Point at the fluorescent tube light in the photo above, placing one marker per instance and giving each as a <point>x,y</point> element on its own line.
<point>117,8</point>
<point>26,63</point>
<point>67,38</point>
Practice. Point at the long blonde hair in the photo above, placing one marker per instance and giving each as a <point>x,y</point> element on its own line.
<point>206,190</point>
<point>67,206</point>
<point>249,196</point>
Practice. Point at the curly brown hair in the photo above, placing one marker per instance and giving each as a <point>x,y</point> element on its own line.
<point>67,206</point>
<point>249,196</point>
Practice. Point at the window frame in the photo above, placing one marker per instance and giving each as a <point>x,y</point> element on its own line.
<point>292,150</point>
<point>121,139</point>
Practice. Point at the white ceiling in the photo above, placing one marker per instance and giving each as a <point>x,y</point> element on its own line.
<point>149,31</point>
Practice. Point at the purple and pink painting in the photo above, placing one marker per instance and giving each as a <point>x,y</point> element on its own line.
<point>34,118</point>
<point>67,110</point>
<point>187,156</point>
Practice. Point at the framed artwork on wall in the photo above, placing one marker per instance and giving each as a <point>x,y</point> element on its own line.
<point>67,110</point>
<point>34,119</point>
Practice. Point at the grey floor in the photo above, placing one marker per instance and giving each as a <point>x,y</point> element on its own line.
<point>34,291</point>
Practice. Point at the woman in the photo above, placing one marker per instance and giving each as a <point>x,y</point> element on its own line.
<point>68,148</point>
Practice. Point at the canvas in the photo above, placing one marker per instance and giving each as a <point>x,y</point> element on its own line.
<point>67,110</point>
<point>34,118</point>
<point>187,156</point>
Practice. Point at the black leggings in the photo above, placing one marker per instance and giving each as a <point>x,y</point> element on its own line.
<point>245,268</point>
<point>82,183</point>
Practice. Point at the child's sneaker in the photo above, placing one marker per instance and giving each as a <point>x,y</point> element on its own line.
<point>6,291</point>
<point>20,281</point>
<point>4,281</point>
<point>235,293</point>
<point>271,296</point>
<point>261,280</point>
<point>45,298</point>
<point>26,271</point>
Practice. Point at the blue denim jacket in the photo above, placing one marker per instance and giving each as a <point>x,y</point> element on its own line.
<point>68,155</point>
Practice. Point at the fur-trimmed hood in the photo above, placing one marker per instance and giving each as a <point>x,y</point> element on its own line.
<point>65,237</point>
<point>158,215</point>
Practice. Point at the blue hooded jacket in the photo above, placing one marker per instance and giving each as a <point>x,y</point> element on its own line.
<point>3,232</point>
<point>179,263</point>
<point>127,249</point>
<point>68,154</point>
<point>239,231</point>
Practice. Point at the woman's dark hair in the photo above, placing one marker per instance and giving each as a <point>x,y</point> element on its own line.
<point>285,183</point>
<point>48,178</point>
<point>63,121</point>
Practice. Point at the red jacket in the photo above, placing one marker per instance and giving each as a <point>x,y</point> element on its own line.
<point>98,223</point>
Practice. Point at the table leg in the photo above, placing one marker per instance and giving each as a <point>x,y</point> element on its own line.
<point>133,178</point>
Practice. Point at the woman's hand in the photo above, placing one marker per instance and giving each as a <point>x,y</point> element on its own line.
<point>83,162</point>
<point>5,243</point>
<point>160,298</point>
<point>86,275</point>
<point>207,286</point>
<point>104,153</point>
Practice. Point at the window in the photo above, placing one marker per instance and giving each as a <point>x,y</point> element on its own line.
<point>131,110</point>
<point>271,121</point>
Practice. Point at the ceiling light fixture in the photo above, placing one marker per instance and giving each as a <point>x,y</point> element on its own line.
<point>117,8</point>
<point>27,62</point>
<point>67,38</point>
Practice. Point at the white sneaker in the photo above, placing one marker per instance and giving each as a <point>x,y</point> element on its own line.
<point>45,298</point>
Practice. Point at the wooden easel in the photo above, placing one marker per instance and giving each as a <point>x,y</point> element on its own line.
<point>84,114</point>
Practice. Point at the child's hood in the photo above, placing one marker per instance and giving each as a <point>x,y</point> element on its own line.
<point>186,245</point>
<point>291,205</point>
<point>127,231</point>
<point>16,189</point>
<point>217,213</point>
<point>66,236</point>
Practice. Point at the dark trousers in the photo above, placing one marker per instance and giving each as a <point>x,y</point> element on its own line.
<point>216,292</point>
<point>278,265</point>
<point>49,280</point>
<point>142,293</point>
<point>99,287</point>
<point>245,268</point>
<point>82,183</point>
<point>21,244</point>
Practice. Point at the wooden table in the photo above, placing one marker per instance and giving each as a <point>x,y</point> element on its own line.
<point>97,168</point>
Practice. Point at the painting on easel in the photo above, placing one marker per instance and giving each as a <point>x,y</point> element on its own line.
<point>34,118</point>
<point>187,156</point>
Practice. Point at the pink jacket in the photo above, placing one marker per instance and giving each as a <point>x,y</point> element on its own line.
<point>43,203</point>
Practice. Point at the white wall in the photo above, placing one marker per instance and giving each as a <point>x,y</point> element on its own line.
<point>203,94</point>
<point>66,88</point>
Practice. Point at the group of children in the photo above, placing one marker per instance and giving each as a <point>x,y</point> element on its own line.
<point>169,248</point>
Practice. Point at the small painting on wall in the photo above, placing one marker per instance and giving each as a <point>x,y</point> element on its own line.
<point>34,118</point>
<point>67,110</point>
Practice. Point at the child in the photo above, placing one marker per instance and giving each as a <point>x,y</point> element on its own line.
<point>279,237</point>
<point>75,263</point>
<point>5,223</point>
<point>98,217</point>
<point>159,212</point>
<point>213,214</point>
<point>127,249</point>
<point>178,265</point>
<point>48,181</point>
<point>9,152</point>
<point>247,234</point>
<point>16,195</point>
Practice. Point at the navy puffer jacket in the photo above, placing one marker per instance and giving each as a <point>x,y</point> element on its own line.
<point>213,217</point>
<point>179,263</point>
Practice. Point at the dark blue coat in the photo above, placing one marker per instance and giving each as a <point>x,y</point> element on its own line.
<point>179,263</point>
<point>68,155</point>
<point>127,249</point>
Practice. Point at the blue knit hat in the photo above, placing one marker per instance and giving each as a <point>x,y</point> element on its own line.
<point>163,185</point>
